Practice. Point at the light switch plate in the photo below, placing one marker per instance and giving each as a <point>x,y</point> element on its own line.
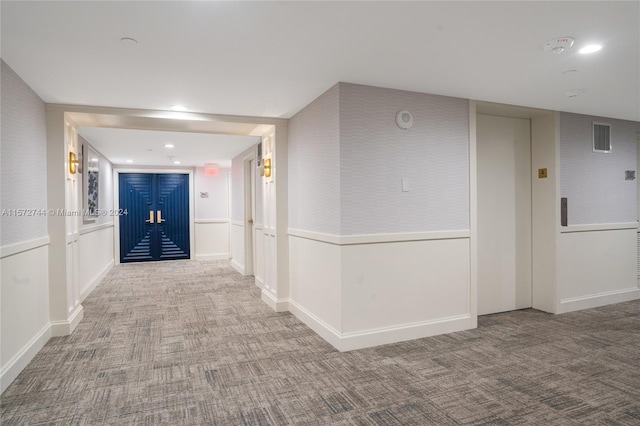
<point>405,185</point>
<point>542,173</point>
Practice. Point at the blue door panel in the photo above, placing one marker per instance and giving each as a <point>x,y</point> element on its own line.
<point>173,202</point>
<point>147,197</point>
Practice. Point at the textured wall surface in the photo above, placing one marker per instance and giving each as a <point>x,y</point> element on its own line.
<point>593,182</point>
<point>375,155</point>
<point>23,159</point>
<point>314,166</point>
<point>216,206</point>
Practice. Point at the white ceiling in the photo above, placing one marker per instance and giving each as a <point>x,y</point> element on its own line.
<point>147,148</point>
<point>273,58</point>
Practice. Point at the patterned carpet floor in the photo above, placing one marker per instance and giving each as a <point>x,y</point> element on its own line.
<point>190,342</point>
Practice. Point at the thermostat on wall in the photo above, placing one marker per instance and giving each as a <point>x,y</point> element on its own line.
<point>404,119</point>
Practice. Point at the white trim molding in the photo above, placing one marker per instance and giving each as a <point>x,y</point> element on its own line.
<point>278,305</point>
<point>65,328</point>
<point>16,364</point>
<point>213,256</point>
<point>235,265</point>
<point>403,332</point>
<point>599,227</point>
<point>259,282</point>
<point>345,240</point>
<point>93,228</point>
<point>375,337</point>
<point>324,330</point>
<point>95,281</point>
<point>13,249</point>
<point>211,220</point>
<point>239,223</point>
<point>598,299</point>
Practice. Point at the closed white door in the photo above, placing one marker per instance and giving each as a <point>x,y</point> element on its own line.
<point>504,213</point>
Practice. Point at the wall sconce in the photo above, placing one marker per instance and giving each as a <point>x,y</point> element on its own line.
<point>211,169</point>
<point>73,163</point>
<point>266,168</point>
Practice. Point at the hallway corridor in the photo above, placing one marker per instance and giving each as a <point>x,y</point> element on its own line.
<point>188,342</point>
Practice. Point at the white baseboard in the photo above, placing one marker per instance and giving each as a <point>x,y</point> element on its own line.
<point>213,256</point>
<point>65,328</point>
<point>21,359</point>
<point>259,282</point>
<point>323,329</point>
<point>95,281</point>
<point>599,299</point>
<point>278,305</point>
<point>237,267</point>
<point>403,332</point>
<point>368,338</point>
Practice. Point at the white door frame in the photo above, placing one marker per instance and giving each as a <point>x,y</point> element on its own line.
<point>249,214</point>
<point>544,290</point>
<point>116,205</point>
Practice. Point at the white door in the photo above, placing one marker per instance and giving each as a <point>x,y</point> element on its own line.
<point>250,214</point>
<point>252,167</point>
<point>504,213</point>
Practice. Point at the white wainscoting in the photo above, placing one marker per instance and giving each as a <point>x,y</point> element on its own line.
<point>259,258</point>
<point>596,268</point>
<point>315,278</point>
<point>212,239</point>
<point>95,256</point>
<point>357,295</point>
<point>236,241</point>
<point>24,296</point>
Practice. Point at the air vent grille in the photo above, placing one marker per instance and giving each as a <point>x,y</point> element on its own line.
<point>601,137</point>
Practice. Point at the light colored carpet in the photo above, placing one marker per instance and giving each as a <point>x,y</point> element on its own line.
<point>190,342</point>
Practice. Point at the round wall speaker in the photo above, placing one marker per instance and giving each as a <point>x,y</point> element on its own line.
<point>404,119</point>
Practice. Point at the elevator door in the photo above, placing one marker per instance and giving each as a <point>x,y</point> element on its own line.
<point>504,213</point>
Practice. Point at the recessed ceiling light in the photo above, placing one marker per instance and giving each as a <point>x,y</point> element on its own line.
<point>178,107</point>
<point>176,162</point>
<point>129,161</point>
<point>169,145</point>
<point>591,48</point>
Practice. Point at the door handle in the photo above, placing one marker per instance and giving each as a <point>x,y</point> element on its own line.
<point>160,220</point>
<point>150,220</point>
<point>251,221</point>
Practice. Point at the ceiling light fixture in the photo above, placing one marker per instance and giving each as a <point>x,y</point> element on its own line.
<point>591,48</point>
<point>179,107</point>
<point>176,162</point>
<point>558,45</point>
<point>169,145</point>
<point>129,161</point>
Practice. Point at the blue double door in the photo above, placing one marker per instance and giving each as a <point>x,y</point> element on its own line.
<point>156,223</point>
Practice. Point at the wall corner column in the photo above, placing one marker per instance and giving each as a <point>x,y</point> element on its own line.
<point>65,309</point>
